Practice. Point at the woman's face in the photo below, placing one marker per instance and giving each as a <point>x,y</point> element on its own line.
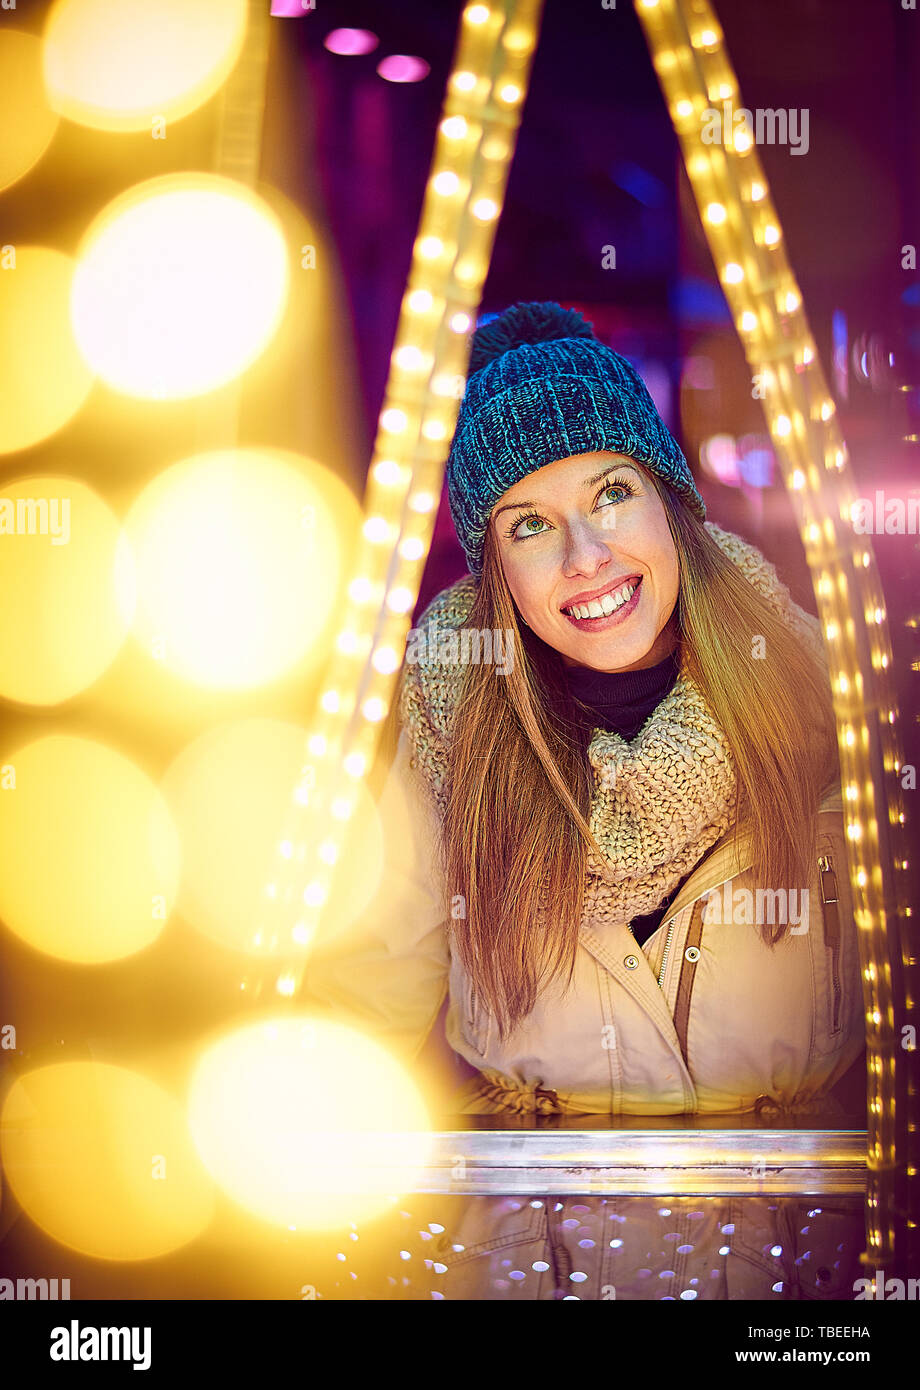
<point>586,530</point>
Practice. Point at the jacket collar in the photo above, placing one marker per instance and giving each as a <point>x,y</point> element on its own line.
<point>733,855</point>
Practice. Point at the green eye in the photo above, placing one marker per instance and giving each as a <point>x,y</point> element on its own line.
<point>622,488</point>
<point>515,531</point>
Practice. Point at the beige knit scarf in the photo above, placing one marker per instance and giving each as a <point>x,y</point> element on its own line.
<point>660,802</point>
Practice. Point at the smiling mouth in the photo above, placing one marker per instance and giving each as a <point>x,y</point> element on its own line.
<point>606,604</point>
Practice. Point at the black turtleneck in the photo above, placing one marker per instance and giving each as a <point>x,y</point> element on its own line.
<point>621,702</point>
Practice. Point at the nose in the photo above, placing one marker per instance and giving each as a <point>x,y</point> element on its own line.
<point>585,551</point>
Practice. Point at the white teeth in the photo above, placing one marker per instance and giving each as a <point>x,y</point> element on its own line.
<point>602,607</point>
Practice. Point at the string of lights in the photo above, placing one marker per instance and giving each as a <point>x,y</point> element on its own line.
<point>746,240</point>
<point>463,200</point>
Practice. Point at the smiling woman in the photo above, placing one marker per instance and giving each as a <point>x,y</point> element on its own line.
<point>664,730</point>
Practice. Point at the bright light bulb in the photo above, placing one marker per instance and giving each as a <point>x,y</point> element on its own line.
<point>393,420</point>
<point>385,660</point>
<point>376,529</point>
<point>454,127</point>
<point>388,472</point>
<point>361,590</point>
<point>485,209</point>
<point>445,183</point>
<point>409,358</point>
<point>400,600</point>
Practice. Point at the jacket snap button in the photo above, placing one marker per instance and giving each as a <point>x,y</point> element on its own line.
<point>631,962</point>
<point>692,953</point>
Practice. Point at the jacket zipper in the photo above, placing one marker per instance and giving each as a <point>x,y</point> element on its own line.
<point>828,880</point>
<point>667,947</point>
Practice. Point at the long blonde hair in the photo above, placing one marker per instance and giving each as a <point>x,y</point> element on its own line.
<point>516,836</point>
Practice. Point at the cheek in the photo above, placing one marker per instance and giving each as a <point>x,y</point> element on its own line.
<point>528,586</point>
<point>671,573</point>
<point>662,559</point>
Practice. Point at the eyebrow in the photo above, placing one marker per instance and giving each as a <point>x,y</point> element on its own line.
<point>588,482</point>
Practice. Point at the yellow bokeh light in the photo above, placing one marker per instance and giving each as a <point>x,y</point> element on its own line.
<point>100,1158</point>
<point>240,556</point>
<point>273,1113</point>
<point>66,578</point>
<point>230,793</point>
<point>89,859</point>
<point>116,67</point>
<point>44,380</point>
<point>26,119</point>
<point>181,283</point>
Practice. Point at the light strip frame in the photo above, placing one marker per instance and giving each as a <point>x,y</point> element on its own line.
<point>745,237</point>
<point>465,192</point>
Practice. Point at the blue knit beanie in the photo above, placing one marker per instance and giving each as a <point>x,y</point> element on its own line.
<point>541,387</point>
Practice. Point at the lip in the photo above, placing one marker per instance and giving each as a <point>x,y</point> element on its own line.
<point>599,593</point>
<point>621,614</point>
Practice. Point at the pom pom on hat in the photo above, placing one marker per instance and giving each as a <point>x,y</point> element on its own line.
<point>543,322</point>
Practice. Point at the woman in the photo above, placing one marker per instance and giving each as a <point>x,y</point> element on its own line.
<point>627,863</point>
